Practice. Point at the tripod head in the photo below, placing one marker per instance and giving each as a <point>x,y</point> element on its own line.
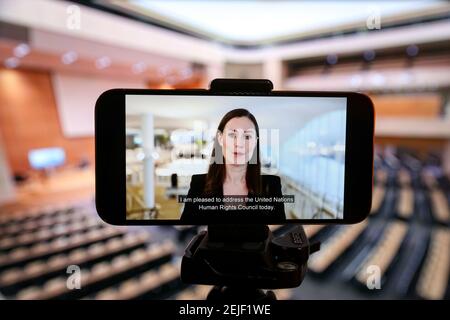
<point>243,259</point>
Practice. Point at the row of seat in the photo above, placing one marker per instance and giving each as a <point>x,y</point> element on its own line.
<point>405,197</point>
<point>149,282</point>
<point>312,230</point>
<point>335,246</point>
<point>200,292</point>
<point>438,199</point>
<point>39,254</point>
<point>143,285</point>
<point>37,246</point>
<point>41,211</point>
<point>41,268</point>
<point>47,234</point>
<point>24,254</point>
<point>101,274</point>
<point>196,292</point>
<point>381,177</point>
<point>434,276</point>
<point>395,247</point>
<point>429,180</point>
<point>440,205</point>
<point>405,202</point>
<point>404,178</point>
<point>384,252</point>
<point>63,217</point>
<point>378,194</point>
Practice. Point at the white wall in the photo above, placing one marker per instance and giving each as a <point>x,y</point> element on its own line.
<point>75,98</point>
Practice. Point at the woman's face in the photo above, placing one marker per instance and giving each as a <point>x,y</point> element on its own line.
<point>238,140</point>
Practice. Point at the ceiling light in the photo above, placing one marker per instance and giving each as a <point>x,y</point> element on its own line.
<point>139,67</point>
<point>332,59</point>
<point>369,55</point>
<point>12,63</point>
<point>69,57</point>
<point>102,62</point>
<point>412,50</point>
<point>21,50</point>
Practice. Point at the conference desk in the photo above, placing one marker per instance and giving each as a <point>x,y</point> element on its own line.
<point>67,185</point>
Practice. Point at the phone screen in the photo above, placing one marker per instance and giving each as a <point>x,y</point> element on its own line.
<point>188,157</point>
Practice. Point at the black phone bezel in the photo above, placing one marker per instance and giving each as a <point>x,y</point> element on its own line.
<point>110,179</point>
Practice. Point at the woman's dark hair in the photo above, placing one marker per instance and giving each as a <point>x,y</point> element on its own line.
<point>217,171</point>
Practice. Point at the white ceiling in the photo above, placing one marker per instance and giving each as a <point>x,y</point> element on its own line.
<point>259,21</point>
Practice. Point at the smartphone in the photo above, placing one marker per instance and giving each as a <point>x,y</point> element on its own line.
<point>200,157</point>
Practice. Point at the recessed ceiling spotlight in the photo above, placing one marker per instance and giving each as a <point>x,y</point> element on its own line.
<point>102,62</point>
<point>332,59</point>
<point>139,67</point>
<point>12,63</point>
<point>412,50</point>
<point>369,55</point>
<point>69,57</point>
<point>21,50</point>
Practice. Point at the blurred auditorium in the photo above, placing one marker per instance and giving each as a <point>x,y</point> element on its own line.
<point>57,57</point>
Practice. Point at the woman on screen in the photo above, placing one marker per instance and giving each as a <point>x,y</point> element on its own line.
<point>235,170</point>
